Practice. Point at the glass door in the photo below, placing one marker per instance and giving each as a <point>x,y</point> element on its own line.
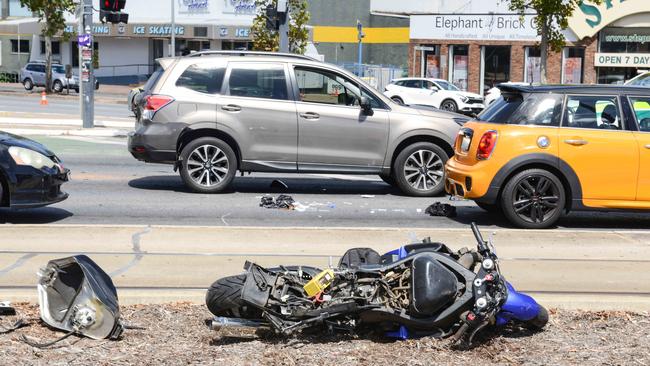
<point>496,66</point>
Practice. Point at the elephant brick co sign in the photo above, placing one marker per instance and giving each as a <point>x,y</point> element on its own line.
<point>588,19</point>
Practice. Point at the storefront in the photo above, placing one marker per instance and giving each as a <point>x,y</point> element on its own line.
<point>608,43</point>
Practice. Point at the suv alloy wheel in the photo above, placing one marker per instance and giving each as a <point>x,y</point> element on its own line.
<point>208,165</point>
<point>533,199</point>
<point>449,105</point>
<point>57,86</point>
<point>420,168</point>
<point>28,84</point>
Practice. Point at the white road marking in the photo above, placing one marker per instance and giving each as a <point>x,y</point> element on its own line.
<point>92,140</point>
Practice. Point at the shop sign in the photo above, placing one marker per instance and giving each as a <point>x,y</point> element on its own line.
<point>474,27</point>
<point>157,30</point>
<point>100,29</point>
<point>640,60</point>
<point>588,18</point>
<point>193,6</point>
<point>242,32</point>
<point>240,6</point>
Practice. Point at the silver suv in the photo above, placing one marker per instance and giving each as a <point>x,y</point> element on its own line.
<point>33,74</point>
<point>212,114</point>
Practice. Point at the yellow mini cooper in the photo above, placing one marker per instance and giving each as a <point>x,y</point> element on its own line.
<point>538,152</point>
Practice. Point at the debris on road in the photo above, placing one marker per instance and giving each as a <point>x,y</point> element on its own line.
<point>6,308</point>
<point>283,201</point>
<point>176,336</point>
<point>441,209</point>
<point>367,196</point>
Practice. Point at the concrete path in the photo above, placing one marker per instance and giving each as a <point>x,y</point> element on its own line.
<point>570,268</point>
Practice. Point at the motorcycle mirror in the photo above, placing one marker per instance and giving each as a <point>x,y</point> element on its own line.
<point>77,296</point>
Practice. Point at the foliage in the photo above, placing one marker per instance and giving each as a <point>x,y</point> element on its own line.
<point>552,18</point>
<point>269,40</point>
<point>52,14</point>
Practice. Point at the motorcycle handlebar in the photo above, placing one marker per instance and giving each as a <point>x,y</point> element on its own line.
<point>479,238</point>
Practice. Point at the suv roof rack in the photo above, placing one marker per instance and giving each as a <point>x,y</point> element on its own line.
<point>249,53</point>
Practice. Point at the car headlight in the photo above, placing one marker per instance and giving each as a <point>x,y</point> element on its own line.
<point>464,98</point>
<point>31,158</point>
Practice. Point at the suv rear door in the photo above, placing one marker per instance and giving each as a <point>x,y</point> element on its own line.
<point>597,146</point>
<point>258,109</point>
<point>334,133</point>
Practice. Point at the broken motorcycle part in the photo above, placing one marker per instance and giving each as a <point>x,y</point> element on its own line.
<point>282,201</point>
<point>441,209</point>
<point>6,309</point>
<point>77,296</point>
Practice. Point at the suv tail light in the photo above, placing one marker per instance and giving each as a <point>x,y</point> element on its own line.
<point>154,103</point>
<point>486,145</point>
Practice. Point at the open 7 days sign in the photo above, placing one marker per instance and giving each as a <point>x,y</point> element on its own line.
<point>641,60</point>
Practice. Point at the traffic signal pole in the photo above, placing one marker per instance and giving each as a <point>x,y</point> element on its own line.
<point>283,15</point>
<point>86,74</point>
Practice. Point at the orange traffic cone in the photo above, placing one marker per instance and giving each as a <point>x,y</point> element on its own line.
<point>43,98</point>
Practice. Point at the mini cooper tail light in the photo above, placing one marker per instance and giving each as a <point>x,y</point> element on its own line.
<point>486,145</point>
<point>156,102</point>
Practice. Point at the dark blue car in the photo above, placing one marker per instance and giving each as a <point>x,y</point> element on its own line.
<point>30,174</point>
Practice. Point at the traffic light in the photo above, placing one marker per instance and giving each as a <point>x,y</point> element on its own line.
<point>272,21</point>
<point>110,11</point>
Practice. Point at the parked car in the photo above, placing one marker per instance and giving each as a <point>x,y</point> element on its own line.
<point>33,74</point>
<point>494,93</point>
<point>434,92</point>
<point>30,174</point>
<point>541,151</point>
<point>643,79</point>
<point>211,114</point>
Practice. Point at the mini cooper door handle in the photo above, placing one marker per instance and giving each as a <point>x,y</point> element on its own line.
<point>576,142</point>
<point>231,108</point>
<point>647,146</point>
<point>310,115</point>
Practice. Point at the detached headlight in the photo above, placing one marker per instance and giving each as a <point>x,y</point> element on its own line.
<point>464,98</point>
<point>32,158</point>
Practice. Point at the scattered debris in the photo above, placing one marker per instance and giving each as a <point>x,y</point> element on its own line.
<point>6,309</point>
<point>278,184</point>
<point>283,201</point>
<point>441,209</point>
<point>367,196</point>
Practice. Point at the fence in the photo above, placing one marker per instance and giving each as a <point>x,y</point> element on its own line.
<point>9,77</point>
<point>377,76</point>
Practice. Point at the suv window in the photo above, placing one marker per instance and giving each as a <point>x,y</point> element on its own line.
<point>641,108</point>
<point>266,81</point>
<point>153,79</point>
<point>532,109</point>
<point>202,78</point>
<point>322,86</point>
<point>413,84</point>
<point>593,112</point>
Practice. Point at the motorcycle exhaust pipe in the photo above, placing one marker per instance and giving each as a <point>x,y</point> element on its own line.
<point>220,322</point>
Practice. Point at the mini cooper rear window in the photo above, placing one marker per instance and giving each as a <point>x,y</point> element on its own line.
<point>202,78</point>
<point>532,109</point>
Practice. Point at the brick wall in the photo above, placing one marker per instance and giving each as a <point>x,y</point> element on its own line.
<point>517,60</point>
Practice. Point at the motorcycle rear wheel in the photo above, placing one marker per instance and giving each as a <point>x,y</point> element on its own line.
<point>538,322</point>
<point>224,298</point>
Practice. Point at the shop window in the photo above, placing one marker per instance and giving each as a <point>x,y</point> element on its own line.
<point>573,65</point>
<point>24,46</point>
<point>236,46</point>
<point>200,31</point>
<point>75,54</point>
<point>430,62</point>
<point>496,66</point>
<point>202,78</point>
<point>258,81</point>
<point>56,47</point>
<point>625,40</point>
<point>459,60</point>
<point>533,65</point>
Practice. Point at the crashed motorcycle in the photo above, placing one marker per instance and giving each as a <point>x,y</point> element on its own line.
<point>421,289</point>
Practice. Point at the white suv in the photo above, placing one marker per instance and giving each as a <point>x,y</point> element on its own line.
<point>434,92</point>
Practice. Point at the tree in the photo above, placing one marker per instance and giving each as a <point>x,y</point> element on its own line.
<point>269,40</point>
<point>52,14</point>
<point>551,19</point>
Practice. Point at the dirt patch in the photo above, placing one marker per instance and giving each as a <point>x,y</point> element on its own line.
<point>176,334</point>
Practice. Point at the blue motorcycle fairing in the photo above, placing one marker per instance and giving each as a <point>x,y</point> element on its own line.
<point>518,306</point>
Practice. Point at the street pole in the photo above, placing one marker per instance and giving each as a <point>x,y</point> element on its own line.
<point>283,14</point>
<point>172,52</point>
<point>360,36</point>
<point>86,76</point>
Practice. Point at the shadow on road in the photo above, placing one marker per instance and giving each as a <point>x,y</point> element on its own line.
<point>577,220</point>
<point>44,215</point>
<point>262,185</point>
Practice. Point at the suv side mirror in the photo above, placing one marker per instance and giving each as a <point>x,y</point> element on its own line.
<point>366,106</point>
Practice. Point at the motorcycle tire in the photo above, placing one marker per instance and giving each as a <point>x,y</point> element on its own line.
<point>224,298</point>
<point>538,322</point>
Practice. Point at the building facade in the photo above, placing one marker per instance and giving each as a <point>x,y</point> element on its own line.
<point>479,44</point>
<point>126,53</point>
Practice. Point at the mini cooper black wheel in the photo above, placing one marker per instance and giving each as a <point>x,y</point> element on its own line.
<point>419,169</point>
<point>208,165</point>
<point>533,199</point>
